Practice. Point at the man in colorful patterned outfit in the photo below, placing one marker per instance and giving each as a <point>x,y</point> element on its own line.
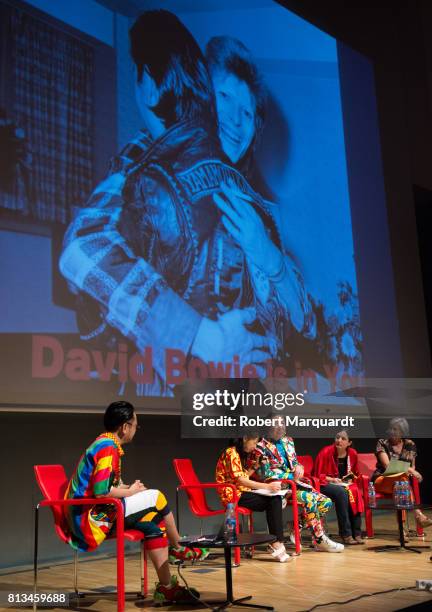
<point>98,474</point>
<point>276,459</point>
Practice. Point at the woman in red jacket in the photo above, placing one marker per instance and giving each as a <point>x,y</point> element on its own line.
<point>336,467</point>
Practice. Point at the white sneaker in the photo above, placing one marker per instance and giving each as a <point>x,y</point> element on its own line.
<point>279,553</point>
<point>327,545</point>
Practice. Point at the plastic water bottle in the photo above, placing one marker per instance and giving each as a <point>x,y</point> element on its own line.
<point>407,502</point>
<point>397,494</point>
<point>371,495</point>
<point>230,524</point>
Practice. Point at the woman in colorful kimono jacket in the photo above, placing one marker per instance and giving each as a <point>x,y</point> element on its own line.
<point>276,459</point>
<point>336,467</point>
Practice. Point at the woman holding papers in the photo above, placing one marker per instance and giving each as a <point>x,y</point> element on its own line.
<point>231,468</point>
<point>397,447</point>
<point>336,467</point>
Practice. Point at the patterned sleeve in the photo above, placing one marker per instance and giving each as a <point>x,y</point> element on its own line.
<point>381,447</point>
<point>105,465</point>
<point>234,465</point>
<point>411,447</point>
<point>291,452</point>
<point>98,260</point>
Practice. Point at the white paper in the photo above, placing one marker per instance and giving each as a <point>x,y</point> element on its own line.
<point>282,492</point>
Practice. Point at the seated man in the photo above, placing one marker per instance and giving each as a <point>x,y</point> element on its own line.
<point>276,459</point>
<point>98,474</point>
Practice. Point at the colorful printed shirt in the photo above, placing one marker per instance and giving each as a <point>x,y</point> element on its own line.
<point>228,469</point>
<point>276,460</point>
<point>408,453</point>
<point>97,471</point>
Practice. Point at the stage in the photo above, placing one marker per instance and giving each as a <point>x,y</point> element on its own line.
<point>313,579</point>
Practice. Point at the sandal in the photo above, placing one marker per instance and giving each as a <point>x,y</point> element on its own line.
<point>422,520</point>
<point>349,541</point>
<point>279,553</point>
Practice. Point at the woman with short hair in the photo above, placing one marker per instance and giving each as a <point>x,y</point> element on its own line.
<point>400,447</point>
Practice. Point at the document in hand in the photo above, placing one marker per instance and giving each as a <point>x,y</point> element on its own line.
<point>396,467</point>
<point>282,492</point>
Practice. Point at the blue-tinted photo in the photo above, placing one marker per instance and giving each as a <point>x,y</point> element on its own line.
<point>194,224</point>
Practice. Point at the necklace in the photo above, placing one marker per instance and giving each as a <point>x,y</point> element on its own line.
<point>117,471</point>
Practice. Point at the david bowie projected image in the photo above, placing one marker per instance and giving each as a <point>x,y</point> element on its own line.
<point>201,254</point>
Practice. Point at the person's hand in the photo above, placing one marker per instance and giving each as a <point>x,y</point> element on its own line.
<point>241,220</point>
<point>298,471</point>
<point>415,474</point>
<point>136,487</point>
<point>274,486</point>
<point>221,340</point>
<point>334,480</point>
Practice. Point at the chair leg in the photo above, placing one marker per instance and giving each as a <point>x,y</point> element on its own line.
<point>296,525</point>
<point>251,528</point>
<point>236,548</point>
<point>75,573</point>
<point>120,567</point>
<point>144,574</point>
<point>369,525</point>
<point>177,511</point>
<point>416,491</point>
<point>35,554</point>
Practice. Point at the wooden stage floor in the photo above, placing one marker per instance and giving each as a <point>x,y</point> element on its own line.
<point>299,585</point>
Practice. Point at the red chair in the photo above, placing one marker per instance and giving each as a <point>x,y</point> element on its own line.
<point>366,466</point>
<point>195,491</point>
<point>52,482</point>
<point>308,463</point>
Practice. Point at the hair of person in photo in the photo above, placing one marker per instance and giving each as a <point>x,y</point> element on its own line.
<point>162,45</point>
<point>117,414</point>
<point>227,54</point>
<point>401,424</point>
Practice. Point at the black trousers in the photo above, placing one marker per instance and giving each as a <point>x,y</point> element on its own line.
<point>349,523</point>
<point>271,504</point>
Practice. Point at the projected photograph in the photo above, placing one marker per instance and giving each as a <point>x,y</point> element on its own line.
<point>175,201</point>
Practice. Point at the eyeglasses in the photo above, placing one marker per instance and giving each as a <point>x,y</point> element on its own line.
<point>131,424</point>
